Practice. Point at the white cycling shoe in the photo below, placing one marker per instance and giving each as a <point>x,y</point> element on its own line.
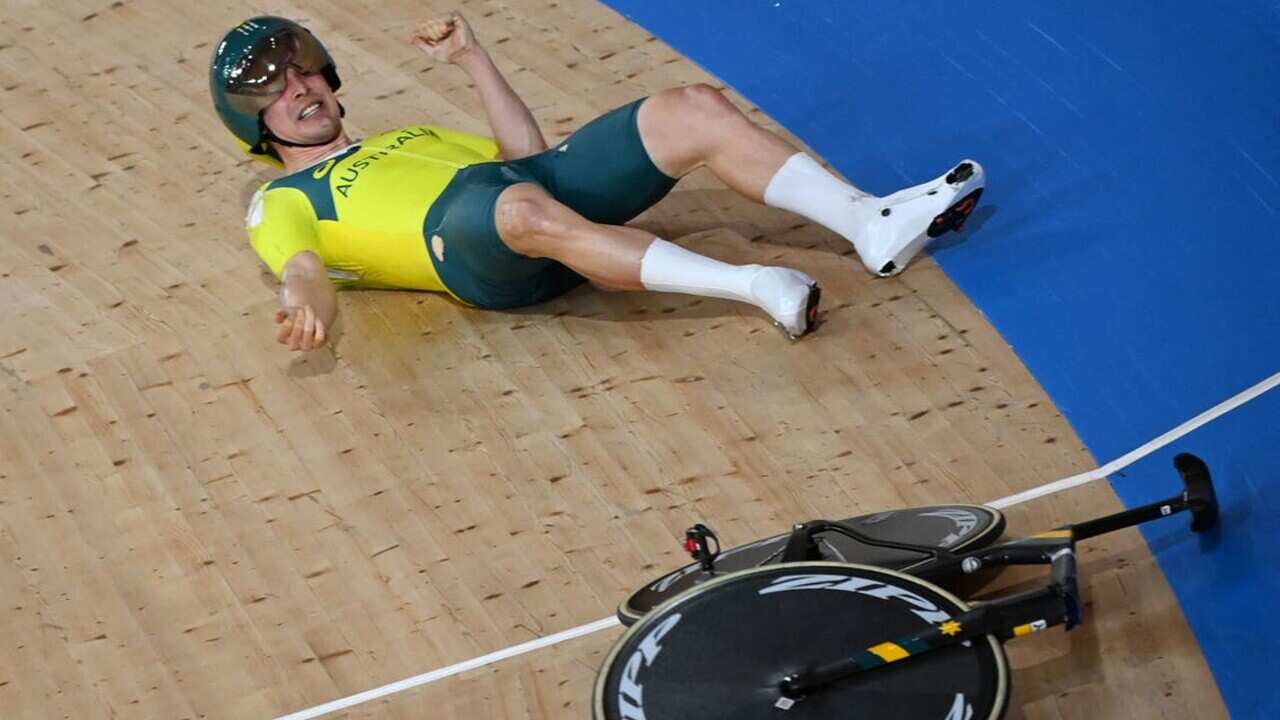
<point>789,296</point>
<point>902,224</point>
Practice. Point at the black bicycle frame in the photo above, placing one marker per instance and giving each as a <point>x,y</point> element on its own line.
<point>1058,603</point>
<point>1024,613</point>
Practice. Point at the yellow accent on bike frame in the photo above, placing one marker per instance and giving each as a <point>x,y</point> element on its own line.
<point>889,651</point>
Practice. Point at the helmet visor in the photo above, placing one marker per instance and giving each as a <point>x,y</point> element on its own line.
<point>258,77</point>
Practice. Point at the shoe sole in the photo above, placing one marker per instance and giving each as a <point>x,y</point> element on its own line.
<point>952,218</point>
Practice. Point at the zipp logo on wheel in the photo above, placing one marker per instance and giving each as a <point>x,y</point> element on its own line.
<point>920,607</point>
<point>630,689</point>
<point>960,709</point>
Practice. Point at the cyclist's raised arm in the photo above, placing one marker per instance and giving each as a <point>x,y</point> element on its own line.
<point>449,39</point>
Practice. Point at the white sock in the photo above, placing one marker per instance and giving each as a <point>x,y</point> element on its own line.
<point>667,267</point>
<point>805,188</point>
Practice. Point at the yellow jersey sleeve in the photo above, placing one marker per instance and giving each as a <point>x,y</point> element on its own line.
<point>281,223</point>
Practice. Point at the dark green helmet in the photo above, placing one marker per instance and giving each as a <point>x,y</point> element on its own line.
<point>247,73</point>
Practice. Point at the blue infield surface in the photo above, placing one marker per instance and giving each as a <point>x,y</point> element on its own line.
<point>1127,245</point>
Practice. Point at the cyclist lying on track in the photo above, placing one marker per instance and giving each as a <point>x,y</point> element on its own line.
<point>507,222</point>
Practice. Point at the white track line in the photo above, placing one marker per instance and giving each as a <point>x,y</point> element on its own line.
<point>473,663</point>
<point>1137,454</point>
<point>605,623</point>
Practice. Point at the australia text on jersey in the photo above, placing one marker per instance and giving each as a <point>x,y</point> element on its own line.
<point>352,173</point>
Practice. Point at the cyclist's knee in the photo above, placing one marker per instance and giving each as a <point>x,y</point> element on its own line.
<point>528,219</point>
<point>691,121</point>
<point>705,100</point>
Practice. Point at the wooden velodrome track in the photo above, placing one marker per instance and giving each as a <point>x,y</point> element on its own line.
<point>196,524</point>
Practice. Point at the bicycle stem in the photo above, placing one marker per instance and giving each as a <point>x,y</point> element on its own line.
<point>1040,548</point>
<point>1129,518</point>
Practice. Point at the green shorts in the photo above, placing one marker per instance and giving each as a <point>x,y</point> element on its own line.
<point>602,171</point>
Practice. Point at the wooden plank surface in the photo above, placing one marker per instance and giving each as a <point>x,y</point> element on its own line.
<point>196,524</point>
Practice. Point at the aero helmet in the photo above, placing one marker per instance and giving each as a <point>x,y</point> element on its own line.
<point>247,73</point>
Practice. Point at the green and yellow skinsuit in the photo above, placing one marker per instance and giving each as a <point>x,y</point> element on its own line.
<point>370,211</point>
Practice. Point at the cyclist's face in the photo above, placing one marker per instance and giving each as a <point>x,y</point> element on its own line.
<point>307,111</point>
